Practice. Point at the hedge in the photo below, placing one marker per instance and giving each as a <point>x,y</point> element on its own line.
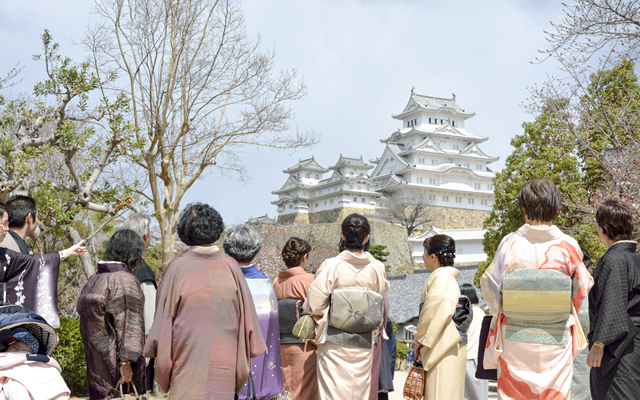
<point>70,356</point>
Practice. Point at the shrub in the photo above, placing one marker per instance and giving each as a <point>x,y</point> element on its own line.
<point>401,351</point>
<point>70,356</point>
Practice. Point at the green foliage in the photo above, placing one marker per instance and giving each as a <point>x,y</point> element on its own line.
<point>70,355</point>
<point>377,251</point>
<point>565,153</point>
<point>401,351</point>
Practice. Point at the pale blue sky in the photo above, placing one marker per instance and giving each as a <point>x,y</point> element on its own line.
<point>359,60</point>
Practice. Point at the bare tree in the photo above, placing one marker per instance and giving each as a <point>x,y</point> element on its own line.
<point>201,89</point>
<point>411,209</point>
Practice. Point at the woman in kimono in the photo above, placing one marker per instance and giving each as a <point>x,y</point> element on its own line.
<point>31,281</point>
<point>111,319</point>
<point>242,243</point>
<point>614,308</point>
<point>205,331</point>
<point>345,356</point>
<point>534,288</point>
<point>298,356</point>
<point>437,340</point>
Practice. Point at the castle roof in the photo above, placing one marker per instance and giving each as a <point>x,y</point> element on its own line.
<point>309,164</point>
<point>445,129</point>
<point>351,162</point>
<point>418,102</point>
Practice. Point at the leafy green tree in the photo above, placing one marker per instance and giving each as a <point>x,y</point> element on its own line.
<point>544,150</point>
<point>377,251</point>
<point>57,142</point>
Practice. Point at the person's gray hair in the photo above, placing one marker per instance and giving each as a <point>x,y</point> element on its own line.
<point>139,223</point>
<point>242,243</point>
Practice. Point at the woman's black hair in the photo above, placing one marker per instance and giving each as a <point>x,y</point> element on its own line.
<point>468,290</point>
<point>355,228</point>
<point>4,208</point>
<point>294,250</point>
<point>443,246</point>
<point>199,224</point>
<point>125,246</point>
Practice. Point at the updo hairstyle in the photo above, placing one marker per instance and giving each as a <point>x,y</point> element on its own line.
<point>199,224</point>
<point>355,228</point>
<point>443,246</point>
<point>294,250</point>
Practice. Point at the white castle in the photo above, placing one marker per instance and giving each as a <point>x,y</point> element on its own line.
<point>432,156</point>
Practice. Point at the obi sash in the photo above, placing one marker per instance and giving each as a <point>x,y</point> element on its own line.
<point>537,304</point>
<point>355,313</point>
<point>288,315</point>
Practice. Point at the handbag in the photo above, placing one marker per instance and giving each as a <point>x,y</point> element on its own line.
<point>305,327</point>
<point>414,384</point>
<point>481,372</point>
<point>118,394</point>
<point>252,394</point>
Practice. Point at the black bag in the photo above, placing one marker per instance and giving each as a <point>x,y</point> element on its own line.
<point>481,373</point>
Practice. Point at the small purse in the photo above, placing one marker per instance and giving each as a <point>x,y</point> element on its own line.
<point>118,394</point>
<point>305,327</point>
<point>414,385</point>
<point>481,372</point>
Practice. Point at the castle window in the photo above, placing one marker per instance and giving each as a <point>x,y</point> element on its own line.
<point>433,162</point>
<point>308,176</point>
<point>429,120</point>
<point>470,200</point>
<point>453,123</point>
<point>432,181</point>
<point>476,186</point>
<point>441,121</point>
<point>363,200</point>
<point>331,201</point>
<point>317,176</point>
<point>317,204</point>
<point>325,202</point>
<point>355,199</point>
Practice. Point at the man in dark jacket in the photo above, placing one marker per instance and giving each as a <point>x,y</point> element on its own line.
<point>23,222</point>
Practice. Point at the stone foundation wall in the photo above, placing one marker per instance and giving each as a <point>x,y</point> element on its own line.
<point>297,218</point>
<point>336,215</point>
<point>395,238</point>
<point>458,218</point>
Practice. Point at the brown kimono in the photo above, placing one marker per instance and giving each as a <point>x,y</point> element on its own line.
<point>205,329</point>
<point>298,359</point>
<point>112,328</point>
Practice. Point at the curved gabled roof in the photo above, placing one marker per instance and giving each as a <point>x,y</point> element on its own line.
<point>309,164</point>
<point>430,129</point>
<point>433,104</point>
<point>351,162</point>
<point>446,167</point>
<point>391,149</point>
<point>473,150</point>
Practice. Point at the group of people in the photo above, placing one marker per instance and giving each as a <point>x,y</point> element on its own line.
<point>218,327</point>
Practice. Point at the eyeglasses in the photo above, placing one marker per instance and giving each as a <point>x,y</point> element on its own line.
<point>4,224</point>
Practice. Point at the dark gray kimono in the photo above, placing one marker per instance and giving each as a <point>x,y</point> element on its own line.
<point>112,327</point>
<point>614,312</point>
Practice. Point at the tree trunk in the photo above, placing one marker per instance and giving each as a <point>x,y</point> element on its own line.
<point>168,238</point>
<point>87,263</point>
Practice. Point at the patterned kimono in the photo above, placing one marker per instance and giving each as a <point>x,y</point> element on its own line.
<point>112,327</point>
<point>344,371</point>
<point>526,369</point>
<point>266,370</point>
<point>32,282</point>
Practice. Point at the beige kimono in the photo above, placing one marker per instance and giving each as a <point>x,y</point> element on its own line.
<point>443,356</point>
<point>344,372</point>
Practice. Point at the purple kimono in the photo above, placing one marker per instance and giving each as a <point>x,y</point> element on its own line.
<point>31,282</point>
<point>265,369</point>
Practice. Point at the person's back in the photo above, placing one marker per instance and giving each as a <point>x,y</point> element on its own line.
<point>205,330</point>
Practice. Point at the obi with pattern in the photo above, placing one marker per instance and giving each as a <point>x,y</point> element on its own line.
<point>537,304</point>
<point>356,309</point>
<point>288,315</point>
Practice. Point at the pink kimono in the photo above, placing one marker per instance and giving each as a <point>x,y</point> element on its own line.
<point>530,370</point>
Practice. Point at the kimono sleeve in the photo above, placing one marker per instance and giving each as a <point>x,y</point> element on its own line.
<point>437,310</point>
<point>124,305</point>
<point>319,293</point>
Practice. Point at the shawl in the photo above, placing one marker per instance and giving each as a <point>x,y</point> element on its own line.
<point>205,330</point>
<point>144,273</point>
<point>266,369</point>
<point>32,282</point>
